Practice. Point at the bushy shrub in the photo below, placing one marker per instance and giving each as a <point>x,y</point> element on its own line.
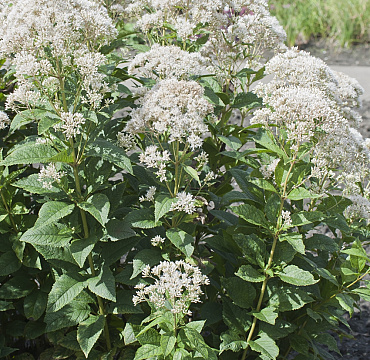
<point>153,206</point>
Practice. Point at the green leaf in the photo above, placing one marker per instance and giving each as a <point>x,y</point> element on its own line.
<point>192,172</point>
<point>6,305</point>
<point>252,247</point>
<point>162,206</point>
<point>81,248</point>
<point>65,156</point>
<point>27,116</point>
<point>148,351</point>
<point>16,287</point>
<point>29,153</point>
<point>305,217</point>
<point>265,346</point>
<point>346,302</point>
<point>182,240</point>
<point>111,153</point>
<point>34,186</point>
<point>301,193</point>
<point>128,334</point>
<point>143,258</point>
<point>241,292</point>
<point>286,298</point>
<point>267,314</point>
<point>142,219</point>
<point>50,235</point>
<point>52,211</point>
<point>232,341</point>
<point>251,214</point>
<point>168,342</point>
<point>263,138</point>
<point>9,263</point>
<point>231,141</point>
<point>64,290</point>
<point>35,304</point>
<point>299,343</point>
<point>124,304</point>
<point>98,206</point>
<point>279,330</point>
<point>249,100</point>
<point>295,240</point>
<point>104,284</point>
<point>321,242</point>
<point>248,273</point>
<point>119,230</point>
<point>71,315</point>
<point>236,318</point>
<point>181,354</point>
<point>263,184</point>
<point>294,275</point>
<point>197,343</point>
<point>88,332</point>
<point>46,123</point>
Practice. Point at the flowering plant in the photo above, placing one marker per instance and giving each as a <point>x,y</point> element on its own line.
<point>153,206</point>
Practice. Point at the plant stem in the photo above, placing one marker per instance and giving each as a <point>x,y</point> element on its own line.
<point>9,213</point>
<point>269,263</point>
<point>86,235</point>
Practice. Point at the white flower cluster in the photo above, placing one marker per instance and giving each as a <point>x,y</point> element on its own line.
<point>175,108</point>
<point>157,240</point>
<point>310,101</point>
<point>70,124</point>
<point>149,196</point>
<point>23,95</point>
<point>126,141</point>
<point>31,25</point>
<point>167,62</point>
<point>267,171</point>
<point>183,15</point>
<point>4,120</point>
<point>70,32</point>
<point>153,158</point>
<point>177,285</point>
<point>185,202</point>
<point>48,175</point>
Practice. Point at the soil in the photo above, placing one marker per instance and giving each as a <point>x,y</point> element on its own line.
<point>359,55</point>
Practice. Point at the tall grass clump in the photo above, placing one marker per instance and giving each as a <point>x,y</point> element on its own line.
<point>345,22</point>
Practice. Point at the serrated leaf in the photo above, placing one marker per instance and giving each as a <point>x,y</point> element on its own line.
<point>240,291</point>
<point>111,153</point>
<point>236,318</point>
<point>46,123</point>
<point>286,298</point>
<point>267,314</point>
<point>192,172</point>
<point>81,248</point>
<point>16,288</point>
<point>27,116</point>
<point>262,137</point>
<point>142,219</point>
<point>295,240</point>
<point>71,315</point>
<point>346,302</point>
<point>124,304</point>
<point>9,263</point>
<point>305,217</point>
<point>162,206</point>
<point>248,273</point>
<point>265,346</point>
<point>48,235</point>
<point>197,342</point>
<point>294,275</point>
<point>98,206</point>
<point>252,247</point>
<point>104,284</point>
<point>299,343</point>
<point>301,193</point>
<point>65,156</point>
<point>263,184</point>
<point>35,304</point>
<point>29,153</point>
<point>88,332</point>
<point>168,342</point>
<point>119,230</point>
<point>182,240</point>
<point>249,100</point>
<point>231,141</point>
<point>321,242</point>
<point>34,186</point>
<point>148,351</point>
<point>251,214</point>
<point>64,290</point>
<point>52,211</point>
<point>128,334</point>
<point>143,258</point>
